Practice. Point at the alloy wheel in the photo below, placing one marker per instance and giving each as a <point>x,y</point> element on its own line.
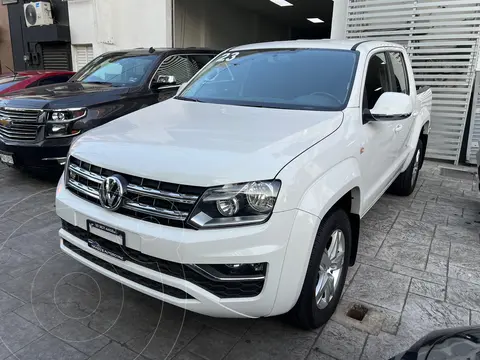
<point>330,270</point>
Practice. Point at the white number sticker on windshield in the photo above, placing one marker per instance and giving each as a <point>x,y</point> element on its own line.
<point>228,57</point>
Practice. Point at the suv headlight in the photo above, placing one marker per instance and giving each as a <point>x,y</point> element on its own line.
<point>60,122</point>
<point>235,205</point>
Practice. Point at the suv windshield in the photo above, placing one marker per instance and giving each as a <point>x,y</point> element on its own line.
<point>117,69</point>
<point>309,79</point>
<point>7,81</point>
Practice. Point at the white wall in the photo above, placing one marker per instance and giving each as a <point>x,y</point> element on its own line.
<point>339,19</point>
<point>120,24</point>
<point>215,24</point>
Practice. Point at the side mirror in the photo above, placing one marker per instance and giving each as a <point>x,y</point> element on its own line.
<point>180,88</point>
<point>163,80</point>
<point>391,106</point>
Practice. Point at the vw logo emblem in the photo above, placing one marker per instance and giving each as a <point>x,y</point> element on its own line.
<point>112,190</point>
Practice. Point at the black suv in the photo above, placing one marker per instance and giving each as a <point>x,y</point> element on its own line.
<point>38,125</point>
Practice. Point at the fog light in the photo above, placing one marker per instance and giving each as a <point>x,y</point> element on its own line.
<point>233,271</point>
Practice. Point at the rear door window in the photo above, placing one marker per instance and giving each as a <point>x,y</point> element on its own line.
<point>399,73</point>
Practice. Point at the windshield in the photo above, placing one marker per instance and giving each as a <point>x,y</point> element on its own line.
<point>8,81</point>
<point>309,79</point>
<point>116,69</point>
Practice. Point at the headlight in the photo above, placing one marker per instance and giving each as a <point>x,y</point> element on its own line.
<point>237,204</point>
<point>66,115</point>
<point>60,122</point>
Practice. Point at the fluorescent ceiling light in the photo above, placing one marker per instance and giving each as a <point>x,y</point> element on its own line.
<point>281,3</point>
<point>315,20</point>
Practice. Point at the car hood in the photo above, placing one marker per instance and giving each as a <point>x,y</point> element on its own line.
<point>61,96</point>
<point>204,144</point>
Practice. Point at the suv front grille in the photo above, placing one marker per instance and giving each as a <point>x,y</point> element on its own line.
<point>19,124</point>
<point>149,200</point>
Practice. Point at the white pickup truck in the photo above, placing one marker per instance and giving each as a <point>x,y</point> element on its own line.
<point>242,196</point>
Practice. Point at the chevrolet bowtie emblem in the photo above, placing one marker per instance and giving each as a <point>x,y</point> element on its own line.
<point>5,122</point>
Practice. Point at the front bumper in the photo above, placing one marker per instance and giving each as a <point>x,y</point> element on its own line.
<point>266,243</point>
<point>45,153</point>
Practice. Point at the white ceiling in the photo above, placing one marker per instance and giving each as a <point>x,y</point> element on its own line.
<point>295,15</point>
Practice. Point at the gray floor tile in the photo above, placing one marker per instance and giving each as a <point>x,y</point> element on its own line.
<point>434,218</point>
<point>414,231</point>
<point>377,287</point>
<point>380,221</point>
<point>440,247</point>
<point>373,261</point>
<point>435,208</point>
<point>170,336</point>
<point>418,274</point>
<point>457,234</point>
<point>474,318</point>
<point>117,352</point>
<point>211,344</point>
<point>428,289</point>
<point>80,337</point>
<point>463,294</point>
<point>187,355</point>
<point>272,339</point>
<point>464,273</point>
<point>44,311</point>
<point>340,341</point>
<point>423,315</point>
<point>385,346</point>
<point>397,251</point>
<point>317,355</point>
<point>465,256</point>
<point>234,327</point>
<point>437,264</point>
<point>15,333</point>
<point>8,303</point>
<point>48,347</point>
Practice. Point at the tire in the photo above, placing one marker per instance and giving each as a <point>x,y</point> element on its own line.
<point>405,183</point>
<point>306,313</point>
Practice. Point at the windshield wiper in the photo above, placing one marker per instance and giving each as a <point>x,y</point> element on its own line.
<point>97,82</point>
<point>187,99</point>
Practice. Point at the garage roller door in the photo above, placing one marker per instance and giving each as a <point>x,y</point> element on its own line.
<point>442,39</point>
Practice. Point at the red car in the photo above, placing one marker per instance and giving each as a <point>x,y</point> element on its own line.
<point>27,79</point>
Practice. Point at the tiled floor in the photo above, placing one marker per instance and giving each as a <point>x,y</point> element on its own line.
<point>418,270</point>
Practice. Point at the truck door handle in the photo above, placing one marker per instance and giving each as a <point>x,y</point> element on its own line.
<point>398,128</point>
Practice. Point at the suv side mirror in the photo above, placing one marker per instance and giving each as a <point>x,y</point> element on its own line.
<point>163,80</point>
<point>391,106</point>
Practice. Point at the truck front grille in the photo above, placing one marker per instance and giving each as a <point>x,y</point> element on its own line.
<point>19,124</point>
<point>23,115</point>
<point>148,200</point>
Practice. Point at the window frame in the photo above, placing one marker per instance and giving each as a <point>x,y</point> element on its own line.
<point>389,77</point>
<point>392,72</point>
<point>179,54</point>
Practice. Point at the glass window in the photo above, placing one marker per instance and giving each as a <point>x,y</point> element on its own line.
<point>400,77</point>
<point>201,59</point>
<point>8,81</point>
<point>376,82</point>
<point>309,79</point>
<point>118,69</point>
<point>54,80</point>
<point>183,67</point>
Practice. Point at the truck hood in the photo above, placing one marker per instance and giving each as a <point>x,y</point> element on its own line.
<point>61,96</point>
<point>204,144</point>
